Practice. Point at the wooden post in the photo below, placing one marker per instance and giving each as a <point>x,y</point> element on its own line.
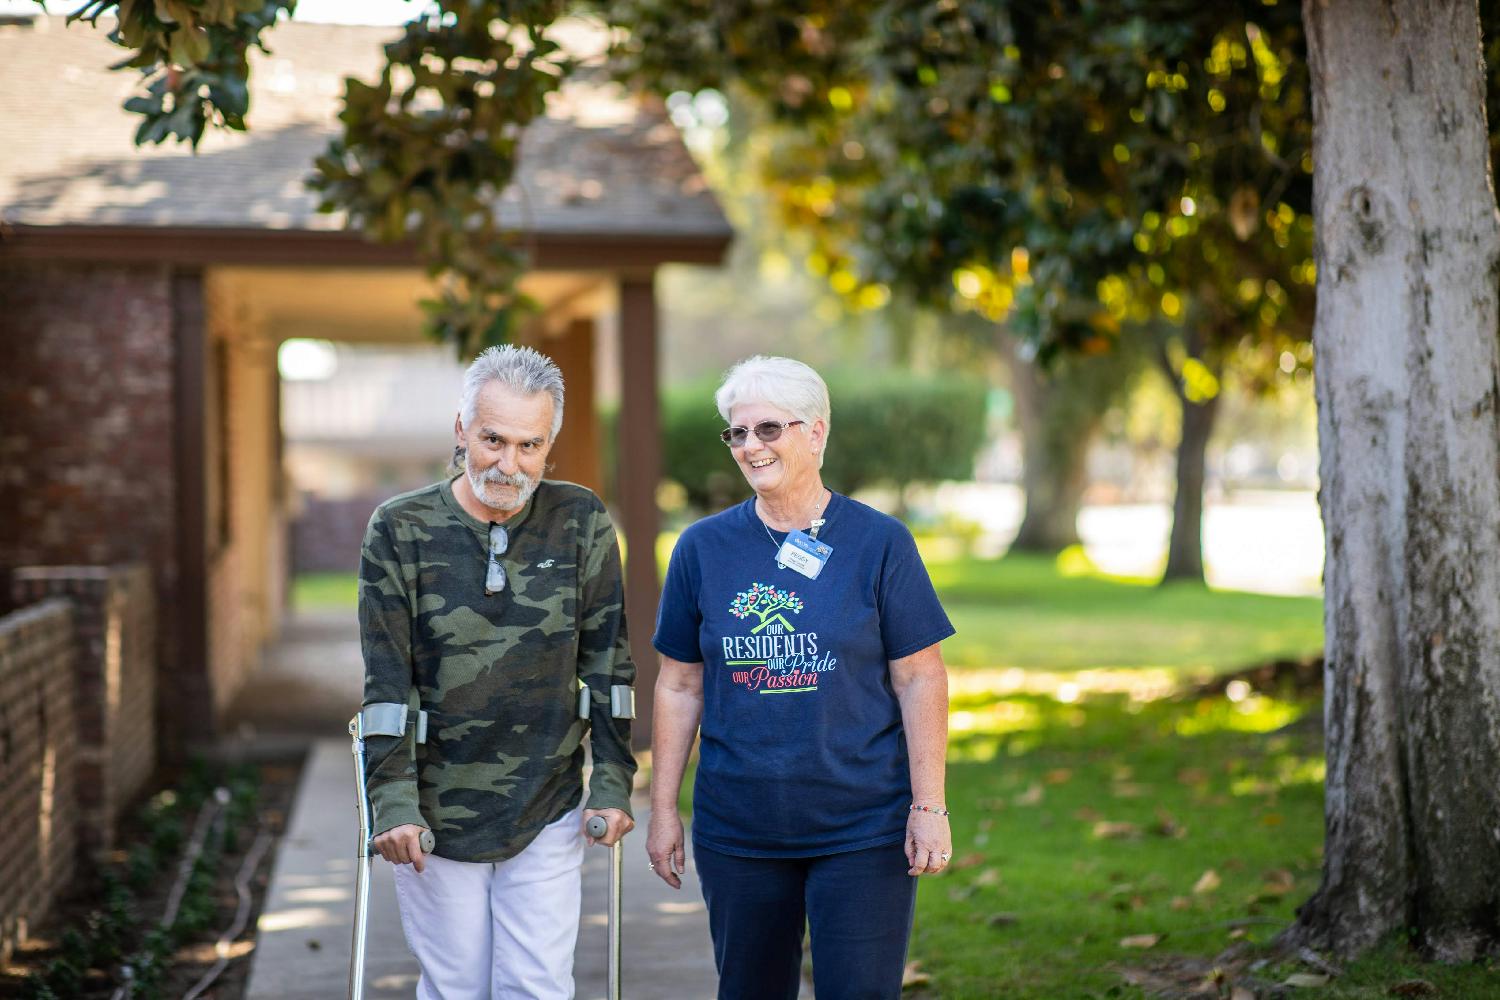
<point>638,441</point>
<point>184,692</point>
<point>576,456</point>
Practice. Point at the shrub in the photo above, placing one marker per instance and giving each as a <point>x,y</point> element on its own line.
<point>892,429</point>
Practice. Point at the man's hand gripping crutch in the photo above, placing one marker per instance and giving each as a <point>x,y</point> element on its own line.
<point>399,846</point>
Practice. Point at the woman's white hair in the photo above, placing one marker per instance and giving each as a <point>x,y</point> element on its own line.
<point>518,368</point>
<point>783,383</point>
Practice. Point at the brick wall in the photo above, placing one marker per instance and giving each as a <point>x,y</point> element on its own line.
<point>37,776</point>
<point>114,684</point>
<point>327,533</point>
<point>87,459</point>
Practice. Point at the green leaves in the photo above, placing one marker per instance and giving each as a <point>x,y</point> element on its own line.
<point>429,148</point>
<point>192,56</point>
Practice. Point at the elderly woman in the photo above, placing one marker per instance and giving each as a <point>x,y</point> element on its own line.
<point>801,631</point>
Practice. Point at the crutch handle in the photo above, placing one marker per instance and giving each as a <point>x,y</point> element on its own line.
<point>425,840</point>
<point>597,827</point>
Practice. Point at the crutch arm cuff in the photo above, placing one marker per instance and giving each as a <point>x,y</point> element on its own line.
<point>389,718</point>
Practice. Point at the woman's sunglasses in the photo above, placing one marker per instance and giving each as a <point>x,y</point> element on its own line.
<point>766,430</point>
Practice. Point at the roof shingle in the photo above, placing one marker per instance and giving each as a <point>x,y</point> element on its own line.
<point>599,163</point>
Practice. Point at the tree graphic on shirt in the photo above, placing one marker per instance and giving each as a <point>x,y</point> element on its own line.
<point>766,603</point>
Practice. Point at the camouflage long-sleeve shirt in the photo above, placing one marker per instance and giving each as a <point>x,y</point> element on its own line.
<point>497,674</point>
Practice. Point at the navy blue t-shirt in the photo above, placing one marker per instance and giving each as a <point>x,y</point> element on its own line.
<point>802,751</point>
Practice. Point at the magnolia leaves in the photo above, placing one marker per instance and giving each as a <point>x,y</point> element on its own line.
<point>193,56</point>
<point>429,147</point>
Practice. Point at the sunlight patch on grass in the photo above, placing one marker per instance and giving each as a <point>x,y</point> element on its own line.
<point>1005,716</point>
<point>1139,684</point>
<point>1254,714</point>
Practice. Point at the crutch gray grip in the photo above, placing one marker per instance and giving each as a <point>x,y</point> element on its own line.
<point>425,840</point>
<point>597,827</point>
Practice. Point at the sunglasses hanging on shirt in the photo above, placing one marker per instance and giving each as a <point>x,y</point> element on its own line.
<point>494,573</point>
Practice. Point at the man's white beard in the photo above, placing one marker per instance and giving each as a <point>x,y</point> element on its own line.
<point>485,484</point>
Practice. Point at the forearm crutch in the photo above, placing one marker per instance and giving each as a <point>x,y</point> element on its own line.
<point>381,719</point>
<point>621,706</point>
<point>598,827</point>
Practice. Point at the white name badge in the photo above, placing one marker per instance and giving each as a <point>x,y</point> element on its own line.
<point>804,554</point>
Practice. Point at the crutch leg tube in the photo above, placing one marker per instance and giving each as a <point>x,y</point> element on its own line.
<point>362,874</point>
<point>598,827</point>
<point>373,720</point>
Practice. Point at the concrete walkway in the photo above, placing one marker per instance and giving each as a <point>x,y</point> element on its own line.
<point>305,928</point>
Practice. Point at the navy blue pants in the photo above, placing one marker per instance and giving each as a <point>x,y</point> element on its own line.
<point>857,906</point>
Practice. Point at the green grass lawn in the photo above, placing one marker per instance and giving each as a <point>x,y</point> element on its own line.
<point>324,591</point>
<point>1077,827</point>
<point>1038,613</point>
<point>1106,836</point>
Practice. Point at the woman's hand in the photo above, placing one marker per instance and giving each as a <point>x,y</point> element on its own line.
<point>664,846</point>
<point>929,842</point>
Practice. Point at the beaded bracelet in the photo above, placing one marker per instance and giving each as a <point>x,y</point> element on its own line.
<point>935,810</point>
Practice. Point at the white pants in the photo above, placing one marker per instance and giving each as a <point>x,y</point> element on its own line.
<point>504,931</point>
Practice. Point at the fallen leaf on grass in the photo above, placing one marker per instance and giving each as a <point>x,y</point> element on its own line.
<point>1192,776</point>
<point>1058,776</point>
<point>1278,883</point>
<point>1272,819</point>
<point>1181,903</point>
<point>959,893</point>
<point>1003,919</point>
<point>913,975</point>
<point>1306,979</point>
<point>1141,941</point>
<point>1088,814</point>
<point>988,877</point>
<point>1030,797</point>
<point>1207,882</point>
<point>1108,830</point>
<point>1414,988</point>
<point>971,860</point>
<point>1166,825</point>
<point>1127,790</point>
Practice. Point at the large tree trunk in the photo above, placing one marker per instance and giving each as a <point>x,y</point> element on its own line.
<point>1057,413</point>
<point>1408,382</point>
<point>1185,549</point>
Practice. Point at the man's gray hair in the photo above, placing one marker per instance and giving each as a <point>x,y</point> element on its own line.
<point>783,383</point>
<point>518,368</point>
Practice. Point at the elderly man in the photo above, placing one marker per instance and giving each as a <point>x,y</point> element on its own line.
<point>496,597</point>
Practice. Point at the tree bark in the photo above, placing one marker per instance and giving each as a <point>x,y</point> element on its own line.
<point>1407,385</point>
<point>1185,547</point>
<point>1058,414</point>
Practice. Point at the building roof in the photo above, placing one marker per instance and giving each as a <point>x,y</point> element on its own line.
<point>600,163</point>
